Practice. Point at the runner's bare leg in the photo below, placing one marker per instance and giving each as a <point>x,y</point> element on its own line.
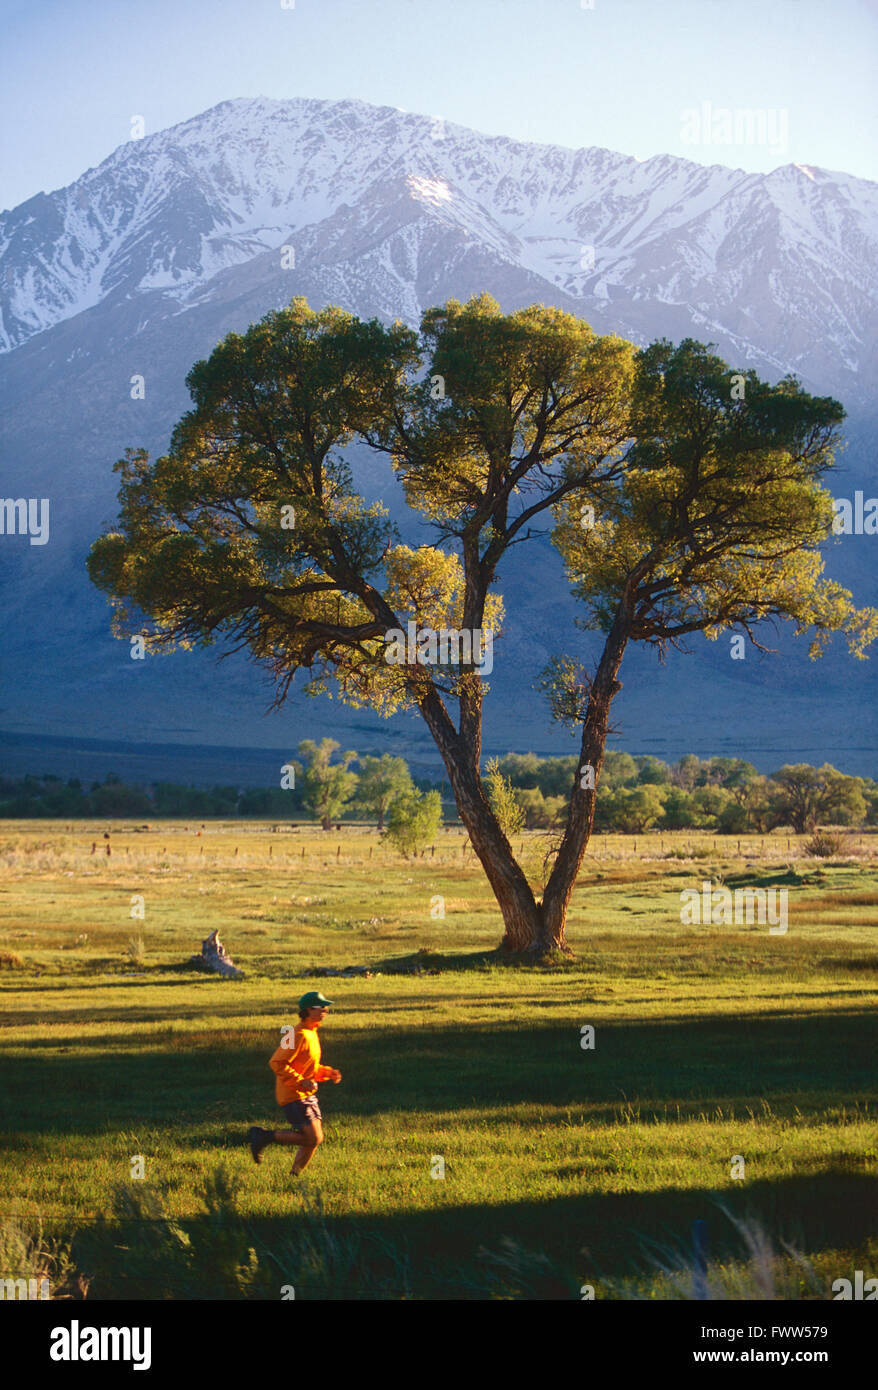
<point>313,1135</point>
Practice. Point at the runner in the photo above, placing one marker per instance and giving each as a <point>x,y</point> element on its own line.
<point>296,1064</point>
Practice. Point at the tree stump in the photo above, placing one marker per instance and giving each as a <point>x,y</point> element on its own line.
<point>214,956</point>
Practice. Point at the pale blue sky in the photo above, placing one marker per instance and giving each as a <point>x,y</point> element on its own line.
<point>620,75</point>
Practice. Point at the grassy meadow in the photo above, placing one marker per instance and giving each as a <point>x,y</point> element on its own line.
<point>564,1166</point>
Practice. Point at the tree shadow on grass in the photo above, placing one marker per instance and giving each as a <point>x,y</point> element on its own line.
<point>541,1249</point>
<point>460,961</point>
<point>809,1060</point>
<point>774,877</point>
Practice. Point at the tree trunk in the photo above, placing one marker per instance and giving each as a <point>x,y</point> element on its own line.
<point>532,927</point>
<point>326,823</point>
<point>522,916</point>
<point>214,956</point>
<point>580,820</point>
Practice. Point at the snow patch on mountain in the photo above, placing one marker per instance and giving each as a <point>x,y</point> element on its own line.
<point>783,263</point>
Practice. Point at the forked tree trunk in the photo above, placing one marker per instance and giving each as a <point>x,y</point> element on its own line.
<point>580,819</point>
<point>532,927</point>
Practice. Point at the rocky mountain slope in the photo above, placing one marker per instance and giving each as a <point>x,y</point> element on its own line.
<point>176,239</point>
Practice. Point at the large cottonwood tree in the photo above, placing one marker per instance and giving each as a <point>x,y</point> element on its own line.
<point>683,499</point>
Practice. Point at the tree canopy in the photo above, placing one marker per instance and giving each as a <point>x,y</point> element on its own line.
<point>380,781</point>
<point>678,505</point>
<point>326,787</point>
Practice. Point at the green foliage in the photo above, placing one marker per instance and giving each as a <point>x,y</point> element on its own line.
<point>171,800</point>
<point>631,809</point>
<point>717,519</point>
<point>326,787</point>
<point>540,812</point>
<point>618,770</point>
<point>686,772</point>
<point>119,800</point>
<point>652,771</point>
<point>551,776</point>
<point>762,805</point>
<point>565,686</point>
<point>681,812</point>
<point>804,796</point>
<point>523,769</point>
<point>380,781</point>
<point>274,803</point>
<point>721,793</point>
<point>140,1246</point>
<point>709,803</point>
<point>732,773</point>
<point>508,811</point>
<point>732,819</point>
<point>413,821</point>
<point>530,398</point>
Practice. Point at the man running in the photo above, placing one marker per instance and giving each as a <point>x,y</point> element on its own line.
<point>296,1064</point>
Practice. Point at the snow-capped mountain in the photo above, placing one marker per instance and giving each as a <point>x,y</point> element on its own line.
<point>138,268</point>
<point>778,269</point>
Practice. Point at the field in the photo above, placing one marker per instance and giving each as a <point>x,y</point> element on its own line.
<point>564,1166</point>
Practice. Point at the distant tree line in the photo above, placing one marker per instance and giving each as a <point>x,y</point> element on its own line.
<point>634,794</point>
<point>723,794</point>
<point>314,788</point>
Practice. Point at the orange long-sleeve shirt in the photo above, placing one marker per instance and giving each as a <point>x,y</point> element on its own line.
<point>296,1065</point>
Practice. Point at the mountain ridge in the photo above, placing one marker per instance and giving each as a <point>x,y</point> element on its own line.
<point>175,209</point>
<point>385,220</point>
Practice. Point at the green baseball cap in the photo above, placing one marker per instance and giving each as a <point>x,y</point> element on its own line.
<point>314,1000</point>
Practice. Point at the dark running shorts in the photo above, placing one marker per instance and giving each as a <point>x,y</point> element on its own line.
<point>302,1112</point>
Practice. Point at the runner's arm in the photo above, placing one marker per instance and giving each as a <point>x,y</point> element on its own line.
<point>283,1061</point>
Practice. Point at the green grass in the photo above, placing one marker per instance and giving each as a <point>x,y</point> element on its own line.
<point>562,1166</point>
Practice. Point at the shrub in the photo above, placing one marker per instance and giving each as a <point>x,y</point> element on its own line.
<point>136,950</point>
<point>510,814</point>
<point>823,844</point>
<point>26,1254</point>
<point>413,821</point>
